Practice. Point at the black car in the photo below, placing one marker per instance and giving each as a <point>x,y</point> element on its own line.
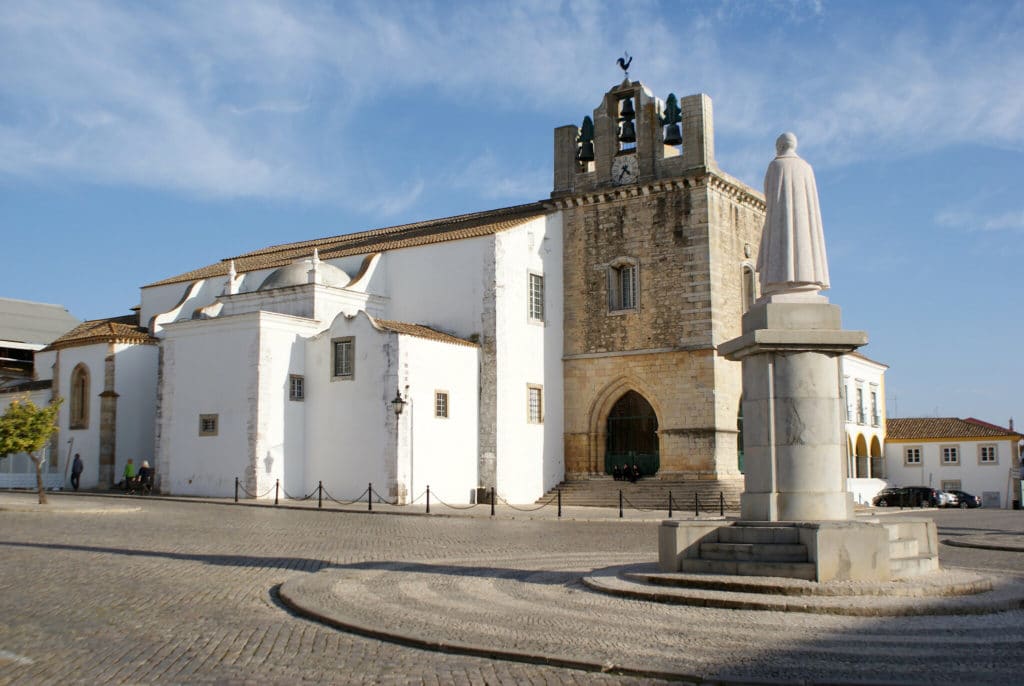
<point>907,496</point>
<point>966,499</point>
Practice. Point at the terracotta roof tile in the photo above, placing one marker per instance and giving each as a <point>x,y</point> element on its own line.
<point>366,242</point>
<point>911,428</point>
<point>421,331</point>
<point>123,329</point>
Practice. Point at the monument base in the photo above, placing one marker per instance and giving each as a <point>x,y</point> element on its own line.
<point>791,507</point>
<point>815,551</point>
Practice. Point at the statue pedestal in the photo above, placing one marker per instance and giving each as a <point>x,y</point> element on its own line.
<point>793,439</point>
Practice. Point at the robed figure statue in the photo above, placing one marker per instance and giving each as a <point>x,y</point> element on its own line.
<point>792,256</point>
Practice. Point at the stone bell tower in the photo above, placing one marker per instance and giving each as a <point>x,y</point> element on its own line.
<point>659,251</point>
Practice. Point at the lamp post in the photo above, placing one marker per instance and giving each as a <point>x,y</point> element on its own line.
<point>398,405</point>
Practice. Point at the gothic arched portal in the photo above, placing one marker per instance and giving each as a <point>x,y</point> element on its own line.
<point>632,435</point>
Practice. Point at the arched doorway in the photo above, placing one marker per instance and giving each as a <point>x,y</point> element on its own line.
<point>632,435</point>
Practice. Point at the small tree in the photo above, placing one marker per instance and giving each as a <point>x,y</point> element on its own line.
<point>25,428</point>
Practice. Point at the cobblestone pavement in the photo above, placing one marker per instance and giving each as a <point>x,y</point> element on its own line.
<point>185,593</point>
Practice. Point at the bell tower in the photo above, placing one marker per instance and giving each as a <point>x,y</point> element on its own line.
<point>657,240</point>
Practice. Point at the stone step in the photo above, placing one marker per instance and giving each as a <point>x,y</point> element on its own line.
<point>754,552</point>
<point>789,570</point>
<point>903,547</point>
<point>759,534</point>
<point>913,566</point>
<point>649,494</point>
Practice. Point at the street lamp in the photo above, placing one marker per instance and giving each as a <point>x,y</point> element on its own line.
<point>398,404</point>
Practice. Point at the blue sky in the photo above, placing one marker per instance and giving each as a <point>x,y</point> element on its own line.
<point>141,140</point>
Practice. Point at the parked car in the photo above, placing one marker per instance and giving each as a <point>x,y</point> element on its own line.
<point>907,496</point>
<point>948,499</point>
<point>965,499</point>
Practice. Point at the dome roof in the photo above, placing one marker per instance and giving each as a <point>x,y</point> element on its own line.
<point>297,274</point>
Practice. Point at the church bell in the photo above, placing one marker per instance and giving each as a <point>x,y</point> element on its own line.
<point>627,112</point>
<point>585,153</point>
<point>673,136</point>
<point>627,132</point>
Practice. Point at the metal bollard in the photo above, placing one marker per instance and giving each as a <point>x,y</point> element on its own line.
<point>696,505</point>
<point>428,498</point>
<point>320,495</point>
<point>369,497</point>
<point>721,504</point>
<point>670,504</point>
<point>277,487</point>
<point>236,489</point>
<point>492,501</point>
<point>620,503</point>
<point>559,491</point>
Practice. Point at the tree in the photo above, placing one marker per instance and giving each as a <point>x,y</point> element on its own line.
<point>25,428</point>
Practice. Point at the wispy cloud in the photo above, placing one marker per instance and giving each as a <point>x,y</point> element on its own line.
<point>976,221</point>
<point>263,98</point>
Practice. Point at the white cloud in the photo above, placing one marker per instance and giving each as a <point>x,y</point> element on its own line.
<point>976,221</point>
<point>261,98</point>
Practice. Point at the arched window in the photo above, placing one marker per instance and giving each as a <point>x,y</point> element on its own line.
<point>79,408</point>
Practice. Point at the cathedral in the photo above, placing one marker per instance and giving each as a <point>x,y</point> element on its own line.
<point>507,349</point>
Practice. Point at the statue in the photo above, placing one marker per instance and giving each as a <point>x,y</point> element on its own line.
<point>792,256</point>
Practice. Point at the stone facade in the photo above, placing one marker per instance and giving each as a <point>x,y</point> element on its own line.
<point>691,233</point>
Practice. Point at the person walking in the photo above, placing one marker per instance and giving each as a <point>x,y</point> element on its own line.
<point>129,474</point>
<point>76,471</point>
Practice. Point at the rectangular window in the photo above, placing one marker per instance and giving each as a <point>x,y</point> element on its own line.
<point>876,419</point>
<point>849,403</point>
<point>987,454</point>
<point>951,485</point>
<point>911,456</point>
<point>208,425</point>
<point>536,298</point>
<point>534,404</point>
<point>441,403</point>
<point>344,357</point>
<point>950,454</point>
<point>296,387</point>
<point>622,287</point>
<point>860,405</point>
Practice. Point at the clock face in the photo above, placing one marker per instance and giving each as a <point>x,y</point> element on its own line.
<point>624,170</point>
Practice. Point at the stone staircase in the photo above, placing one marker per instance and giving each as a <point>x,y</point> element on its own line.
<point>650,494</point>
<point>906,558</point>
<point>754,551</point>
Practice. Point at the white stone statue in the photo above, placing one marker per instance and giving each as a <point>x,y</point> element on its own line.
<point>792,258</point>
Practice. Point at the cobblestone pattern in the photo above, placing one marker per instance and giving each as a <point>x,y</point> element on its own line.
<point>182,593</point>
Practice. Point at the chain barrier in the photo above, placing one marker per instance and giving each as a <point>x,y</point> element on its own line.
<point>382,501</point>
<point>253,495</point>
<point>291,497</point>
<point>640,509</point>
<point>434,496</point>
<point>528,509</point>
<point>330,497</point>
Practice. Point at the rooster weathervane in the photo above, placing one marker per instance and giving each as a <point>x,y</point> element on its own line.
<point>624,62</point>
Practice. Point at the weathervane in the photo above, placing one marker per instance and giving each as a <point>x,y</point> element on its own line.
<point>624,62</point>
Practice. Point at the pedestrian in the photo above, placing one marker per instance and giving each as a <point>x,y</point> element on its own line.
<point>76,471</point>
<point>616,473</point>
<point>129,474</point>
<point>636,474</point>
<point>145,477</point>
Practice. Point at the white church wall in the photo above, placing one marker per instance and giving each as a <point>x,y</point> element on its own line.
<point>440,286</point>
<point>530,455</point>
<point>135,378</point>
<point>438,451</point>
<point>209,367</point>
<point>281,422</point>
<point>85,441</point>
<point>350,439</point>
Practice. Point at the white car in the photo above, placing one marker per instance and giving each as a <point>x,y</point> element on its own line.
<point>948,499</point>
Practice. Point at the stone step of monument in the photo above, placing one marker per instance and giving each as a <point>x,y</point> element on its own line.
<point>913,566</point>
<point>788,570</point>
<point>759,534</point>
<point>758,552</point>
<point>903,547</point>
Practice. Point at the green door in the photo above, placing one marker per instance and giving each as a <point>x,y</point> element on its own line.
<point>632,435</point>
